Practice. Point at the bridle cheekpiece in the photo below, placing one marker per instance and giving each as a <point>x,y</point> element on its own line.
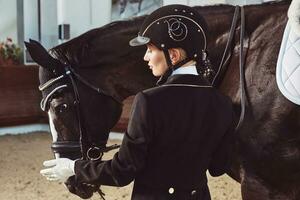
<point>88,149</point>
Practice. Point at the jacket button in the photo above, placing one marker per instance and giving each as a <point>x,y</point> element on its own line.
<point>193,192</point>
<point>171,190</point>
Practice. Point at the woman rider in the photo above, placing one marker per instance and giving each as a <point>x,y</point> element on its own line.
<point>178,130</point>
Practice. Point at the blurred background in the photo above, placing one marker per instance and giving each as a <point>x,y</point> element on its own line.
<point>24,130</point>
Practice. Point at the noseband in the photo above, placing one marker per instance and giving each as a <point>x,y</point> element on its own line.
<point>88,149</point>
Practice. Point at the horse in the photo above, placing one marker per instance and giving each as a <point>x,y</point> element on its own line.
<point>267,156</point>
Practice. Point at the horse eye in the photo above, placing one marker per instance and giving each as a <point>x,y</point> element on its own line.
<point>61,108</point>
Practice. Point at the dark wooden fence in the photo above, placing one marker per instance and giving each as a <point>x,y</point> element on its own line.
<point>122,123</point>
<point>19,96</point>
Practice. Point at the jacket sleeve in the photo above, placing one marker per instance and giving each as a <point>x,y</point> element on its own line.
<point>221,159</point>
<point>124,166</point>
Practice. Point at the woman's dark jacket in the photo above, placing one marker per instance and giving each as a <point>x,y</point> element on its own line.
<point>176,132</point>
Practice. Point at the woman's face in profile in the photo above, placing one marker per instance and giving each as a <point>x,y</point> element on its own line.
<point>156,60</point>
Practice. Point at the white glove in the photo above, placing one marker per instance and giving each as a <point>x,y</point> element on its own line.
<point>60,169</point>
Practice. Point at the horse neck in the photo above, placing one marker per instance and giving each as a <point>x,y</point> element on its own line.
<point>104,58</point>
<point>123,79</point>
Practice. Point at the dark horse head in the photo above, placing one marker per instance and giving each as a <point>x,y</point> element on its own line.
<point>83,87</point>
<point>84,82</point>
<point>267,160</point>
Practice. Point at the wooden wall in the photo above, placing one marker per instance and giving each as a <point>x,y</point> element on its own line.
<point>122,123</point>
<point>19,96</point>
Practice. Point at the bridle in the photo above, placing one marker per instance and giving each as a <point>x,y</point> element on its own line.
<point>239,11</point>
<point>88,149</point>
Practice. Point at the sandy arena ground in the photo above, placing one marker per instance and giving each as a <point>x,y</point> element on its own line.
<point>21,160</point>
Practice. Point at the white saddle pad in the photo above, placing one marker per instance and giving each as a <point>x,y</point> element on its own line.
<point>288,65</point>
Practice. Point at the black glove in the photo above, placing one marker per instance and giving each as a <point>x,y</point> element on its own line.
<point>82,190</point>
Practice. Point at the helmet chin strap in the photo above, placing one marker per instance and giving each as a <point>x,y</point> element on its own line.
<point>177,65</point>
<point>171,68</point>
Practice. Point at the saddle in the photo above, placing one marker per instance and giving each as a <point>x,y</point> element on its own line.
<point>288,65</point>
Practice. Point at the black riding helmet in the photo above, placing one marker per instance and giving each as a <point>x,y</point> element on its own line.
<point>175,26</point>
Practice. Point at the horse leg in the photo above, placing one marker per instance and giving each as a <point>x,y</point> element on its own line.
<point>254,188</point>
<point>234,170</point>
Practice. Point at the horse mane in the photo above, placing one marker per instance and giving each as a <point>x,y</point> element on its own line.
<point>74,51</point>
<point>104,45</point>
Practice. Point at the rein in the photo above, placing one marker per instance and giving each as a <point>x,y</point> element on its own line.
<point>242,73</point>
<point>226,58</point>
<point>88,150</point>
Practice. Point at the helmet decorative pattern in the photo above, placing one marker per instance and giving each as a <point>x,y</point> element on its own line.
<point>177,30</point>
<point>175,26</point>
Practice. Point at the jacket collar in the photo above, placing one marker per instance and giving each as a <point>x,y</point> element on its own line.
<point>187,79</point>
<point>191,69</point>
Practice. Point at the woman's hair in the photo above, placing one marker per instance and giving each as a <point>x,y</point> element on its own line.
<point>205,68</point>
<point>203,65</point>
<point>183,54</point>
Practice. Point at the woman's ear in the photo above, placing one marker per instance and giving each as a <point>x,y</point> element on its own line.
<point>174,55</point>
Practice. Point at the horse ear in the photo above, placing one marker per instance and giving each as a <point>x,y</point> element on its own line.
<point>40,55</point>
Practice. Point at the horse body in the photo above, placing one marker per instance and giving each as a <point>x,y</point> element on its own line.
<point>268,142</point>
<point>267,159</point>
